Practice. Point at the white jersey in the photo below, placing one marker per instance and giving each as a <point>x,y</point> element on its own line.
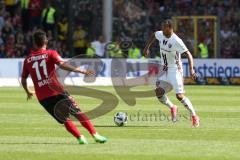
<point>170,50</point>
<point>99,48</point>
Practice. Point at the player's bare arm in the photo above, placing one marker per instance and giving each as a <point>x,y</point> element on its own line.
<point>27,90</point>
<point>68,67</point>
<point>148,45</point>
<point>190,61</point>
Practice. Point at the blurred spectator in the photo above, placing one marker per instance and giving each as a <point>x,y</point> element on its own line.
<point>79,41</point>
<point>90,51</point>
<point>28,39</point>
<point>227,51</point>
<point>25,15</point>
<point>203,49</point>
<point>113,49</point>
<point>52,43</point>
<point>1,39</point>
<point>89,13</point>
<point>65,52</point>
<point>49,18</point>
<point>7,30</point>
<point>225,34</point>
<point>61,48</point>
<point>10,47</point>
<point>11,6</point>
<point>35,8</point>
<point>2,51</point>
<point>99,47</point>
<point>16,20</point>
<point>134,52</point>
<point>19,44</point>
<point>2,21</point>
<point>2,9</point>
<point>63,29</point>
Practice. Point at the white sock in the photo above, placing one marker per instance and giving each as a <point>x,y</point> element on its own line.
<point>164,100</point>
<point>187,103</point>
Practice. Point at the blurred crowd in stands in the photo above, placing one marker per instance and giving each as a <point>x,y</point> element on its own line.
<point>133,22</point>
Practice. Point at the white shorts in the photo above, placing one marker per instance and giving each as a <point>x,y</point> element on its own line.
<point>173,77</point>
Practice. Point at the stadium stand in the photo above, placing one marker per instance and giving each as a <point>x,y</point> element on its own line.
<point>132,20</point>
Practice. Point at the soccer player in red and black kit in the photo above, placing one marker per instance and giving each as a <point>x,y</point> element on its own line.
<point>40,64</point>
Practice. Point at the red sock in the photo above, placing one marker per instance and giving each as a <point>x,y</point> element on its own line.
<point>71,127</point>
<point>82,118</point>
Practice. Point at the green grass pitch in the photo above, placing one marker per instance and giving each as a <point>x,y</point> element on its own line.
<point>27,132</point>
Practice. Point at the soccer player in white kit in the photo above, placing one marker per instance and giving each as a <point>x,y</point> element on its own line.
<point>171,49</point>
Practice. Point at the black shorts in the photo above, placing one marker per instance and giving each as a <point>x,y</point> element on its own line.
<point>61,106</point>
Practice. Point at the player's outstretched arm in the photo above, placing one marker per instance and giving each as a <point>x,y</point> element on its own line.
<point>190,61</point>
<point>146,51</point>
<point>68,67</point>
<point>28,92</point>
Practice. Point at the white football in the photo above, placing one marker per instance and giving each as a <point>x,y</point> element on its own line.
<point>120,119</point>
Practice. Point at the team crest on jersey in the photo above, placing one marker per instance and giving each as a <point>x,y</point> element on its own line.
<point>169,45</point>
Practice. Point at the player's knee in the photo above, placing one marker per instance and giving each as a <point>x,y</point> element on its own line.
<point>180,96</point>
<point>159,92</point>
